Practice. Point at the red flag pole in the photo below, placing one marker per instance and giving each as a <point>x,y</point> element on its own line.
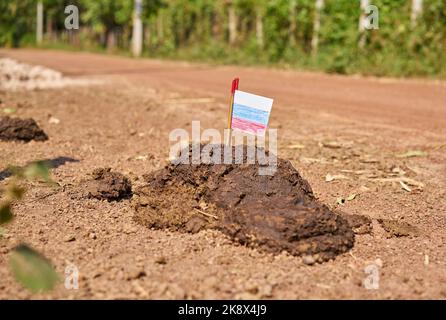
<point>234,87</point>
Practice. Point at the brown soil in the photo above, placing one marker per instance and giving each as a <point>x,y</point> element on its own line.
<point>276,213</point>
<point>20,129</point>
<point>350,128</point>
<point>107,185</point>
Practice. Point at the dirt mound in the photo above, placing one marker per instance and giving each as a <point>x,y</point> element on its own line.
<point>107,185</point>
<point>20,129</point>
<point>276,213</point>
<point>21,76</point>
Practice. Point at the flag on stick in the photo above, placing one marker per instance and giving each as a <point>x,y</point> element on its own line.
<point>250,113</point>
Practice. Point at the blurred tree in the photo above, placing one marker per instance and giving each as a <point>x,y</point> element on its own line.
<point>362,23</point>
<point>417,9</point>
<point>292,29</point>
<point>232,21</point>
<point>39,24</point>
<point>106,17</point>
<point>260,9</point>
<point>137,33</point>
<point>317,25</point>
<point>55,16</point>
<point>17,21</point>
<point>411,38</point>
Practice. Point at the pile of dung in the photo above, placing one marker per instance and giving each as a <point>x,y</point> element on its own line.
<point>274,213</point>
<point>15,129</point>
<point>107,185</point>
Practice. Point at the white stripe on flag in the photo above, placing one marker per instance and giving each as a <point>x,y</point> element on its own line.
<point>253,101</point>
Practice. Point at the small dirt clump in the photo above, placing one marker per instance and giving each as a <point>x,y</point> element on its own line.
<point>108,185</point>
<point>15,129</point>
<point>273,212</point>
<point>360,224</point>
<point>396,228</point>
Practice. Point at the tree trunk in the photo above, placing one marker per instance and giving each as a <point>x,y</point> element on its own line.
<point>137,29</point>
<point>160,27</point>
<point>49,27</point>
<point>362,24</point>
<point>39,29</point>
<point>148,36</point>
<point>111,40</point>
<point>216,26</point>
<point>293,26</point>
<point>259,27</point>
<point>232,24</point>
<point>417,10</point>
<point>317,26</point>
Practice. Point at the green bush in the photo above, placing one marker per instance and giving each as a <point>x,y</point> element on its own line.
<point>199,30</point>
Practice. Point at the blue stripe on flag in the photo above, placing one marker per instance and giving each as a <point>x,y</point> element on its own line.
<point>250,114</point>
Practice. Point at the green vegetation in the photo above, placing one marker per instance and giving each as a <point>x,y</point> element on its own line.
<point>278,32</point>
<point>30,269</point>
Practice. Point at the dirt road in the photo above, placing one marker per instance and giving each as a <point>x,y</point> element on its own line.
<point>354,129</point>
<point>405,104</point>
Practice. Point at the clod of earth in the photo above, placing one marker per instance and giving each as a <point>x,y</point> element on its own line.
<point>360,224</point>
<point>20,130</point>
<point>275,213</point>
<point>107,185</point>
<point>396,228</point>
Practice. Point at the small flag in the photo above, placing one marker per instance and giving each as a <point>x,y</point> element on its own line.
<point>250,113</point>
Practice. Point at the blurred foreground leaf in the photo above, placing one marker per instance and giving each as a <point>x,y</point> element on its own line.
<point>5,213</point>
<point>32,270</point>
<point>15,192</point>
<point>37,170</point>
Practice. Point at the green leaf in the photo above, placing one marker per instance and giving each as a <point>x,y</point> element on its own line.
<point>16,171</point>
<point>5,213</point>
<point>37,170</point>
<point>32,270</point>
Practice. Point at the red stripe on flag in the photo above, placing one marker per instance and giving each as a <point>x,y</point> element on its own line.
<point>248,126</point>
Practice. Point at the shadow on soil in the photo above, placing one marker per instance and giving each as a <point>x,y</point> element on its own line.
<point>52,164</point>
